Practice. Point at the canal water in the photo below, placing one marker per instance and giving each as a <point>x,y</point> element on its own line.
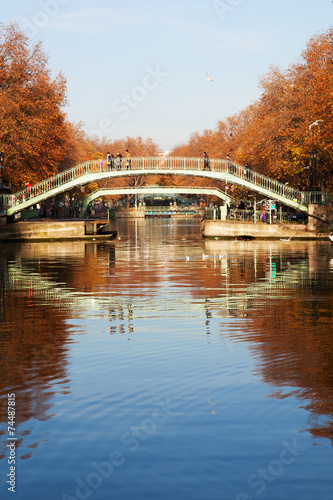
<point>162,366</point>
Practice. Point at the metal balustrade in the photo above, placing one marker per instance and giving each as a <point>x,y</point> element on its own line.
<point>240,215</point>
<point>223,170</point>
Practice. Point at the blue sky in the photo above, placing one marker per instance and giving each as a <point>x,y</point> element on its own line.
<point>139,67</point>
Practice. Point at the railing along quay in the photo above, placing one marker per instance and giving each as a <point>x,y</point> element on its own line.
<point>232,173</point>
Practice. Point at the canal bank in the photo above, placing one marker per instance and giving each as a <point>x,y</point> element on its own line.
<point>157,211</point>
<point>46,229</point>
<point>230,230</point>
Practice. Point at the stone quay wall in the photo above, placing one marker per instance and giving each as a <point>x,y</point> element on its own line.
<point>231,229</point>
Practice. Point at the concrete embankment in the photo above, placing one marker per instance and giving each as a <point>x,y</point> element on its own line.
<point>129,213</point>
<point>50,230</point>
<point>231,229</point>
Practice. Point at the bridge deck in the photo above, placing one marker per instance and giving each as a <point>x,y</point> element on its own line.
<point>221,170</point>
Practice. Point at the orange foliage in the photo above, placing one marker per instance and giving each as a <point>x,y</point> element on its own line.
<point>35,136</point>
<point>137,146</point>
<point>272,134</point>
<point>32,128</point>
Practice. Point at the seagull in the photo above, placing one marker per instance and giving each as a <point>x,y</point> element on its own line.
<point>187,258</point>
<point>204,256</point>
<point>286,239</point>
<point>209,78</point>
<point>314,123</point>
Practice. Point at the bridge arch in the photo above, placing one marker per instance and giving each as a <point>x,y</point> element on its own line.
<point>152,190</point>
<point>221,170</point>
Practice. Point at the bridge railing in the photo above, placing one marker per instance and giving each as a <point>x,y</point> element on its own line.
<point>173,163</point>
<point>53,182</point>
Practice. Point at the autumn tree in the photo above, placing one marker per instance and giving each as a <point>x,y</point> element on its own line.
<point>137,146</point>
<point>33,129</point>
<point>195,147</point>
<point>291,100</point>
<point>78,146</point>
<point>273,134</point>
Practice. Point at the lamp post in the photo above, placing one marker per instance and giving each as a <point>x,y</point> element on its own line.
<point>313,158</point>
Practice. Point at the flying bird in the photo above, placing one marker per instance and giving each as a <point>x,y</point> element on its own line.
<point>314,123</point>
<point>209,78</point>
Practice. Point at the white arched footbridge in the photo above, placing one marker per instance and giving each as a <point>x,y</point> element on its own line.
<point>153,190</point>
<point>221,170</point>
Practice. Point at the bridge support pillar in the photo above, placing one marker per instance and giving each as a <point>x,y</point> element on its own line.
<point>223,212</point>
<point>319,217</point>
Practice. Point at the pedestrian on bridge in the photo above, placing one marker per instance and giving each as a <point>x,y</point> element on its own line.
<point>231,166</point>
<point>28,184</point>
<point>128,160</point>
<point>108,161</point>
<point>206,161</point>
<point>119,161</point>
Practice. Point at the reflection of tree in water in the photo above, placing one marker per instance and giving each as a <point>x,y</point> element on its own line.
<point>33,356</point>
<point>33,332</point>
<point>289,308</point>
<point>2,294</point>
<point>296,350</point>
<point>36,356</point>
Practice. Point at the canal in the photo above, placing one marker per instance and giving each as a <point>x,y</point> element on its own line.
<point>162,366</point>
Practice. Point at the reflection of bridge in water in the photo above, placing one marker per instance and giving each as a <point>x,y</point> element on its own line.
<point>220,170</point>
<point>26,273</point>
<point>282,279</point>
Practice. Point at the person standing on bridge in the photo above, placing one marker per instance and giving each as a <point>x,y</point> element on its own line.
<point>231,166</point>
<point>108,161</point>
<point>28,184</point>
<point>119,161</point>
<point>128,160</point>
<point>112,162</point>
<point>206,161</point>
